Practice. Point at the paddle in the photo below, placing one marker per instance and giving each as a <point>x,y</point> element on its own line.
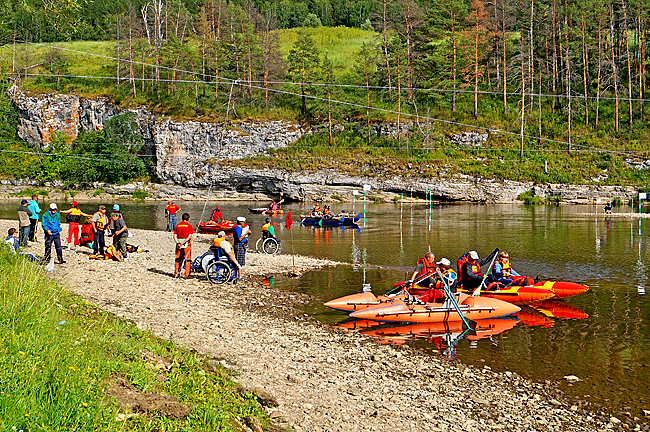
<point>467,323</point>
<point>477,291</point>
<point>415,282</point>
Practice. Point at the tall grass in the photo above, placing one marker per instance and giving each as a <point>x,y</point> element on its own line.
<point>58,353</point>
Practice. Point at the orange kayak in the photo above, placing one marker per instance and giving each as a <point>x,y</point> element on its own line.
<point>562,289</point>
<point>521,295</point>
<point>474,308</point>
<point>359,301</point>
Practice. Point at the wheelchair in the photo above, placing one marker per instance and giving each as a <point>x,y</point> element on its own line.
<point>268,244</point>
<point>219,269</point>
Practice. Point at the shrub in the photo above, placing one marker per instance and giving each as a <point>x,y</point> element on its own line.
<point>338,197</point>
<point>528,198</point>
<point>29,192</point>
<point>376,199</point>
<point>98,192</point>
<point>139,194</point>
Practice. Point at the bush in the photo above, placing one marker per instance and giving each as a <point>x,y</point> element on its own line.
<point>338,197</point>
<point>311,20</point>
<point>98,192</point>
<point>139,194</point>
<point>616,202</point>
<point>376,199</point>
<point>29,192</point>
<point>528,198</point>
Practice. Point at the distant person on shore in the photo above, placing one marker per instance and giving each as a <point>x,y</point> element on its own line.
<point>183,252</point>
<point>216,216</point>
<point>24,224</point>
<point>120,233</point>
<point>33,219</point>
<point>608,207</point>
<point>100,223</point>
<point>74,215</point>
<point>170,211</point>
<point>240,237</point>
<point>226,248</point>
<point>52,229</point>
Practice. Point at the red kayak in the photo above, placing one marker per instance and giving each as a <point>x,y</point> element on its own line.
<point>213,227</point>
<point>561,310</point>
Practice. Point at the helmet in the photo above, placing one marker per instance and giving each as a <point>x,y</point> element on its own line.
<point>116,207</point>
<point>218,208</point>
<point>75,203</point>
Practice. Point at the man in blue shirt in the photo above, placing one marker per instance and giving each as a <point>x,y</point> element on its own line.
<point>240,237</point>
<point>52,229</point>
<point>33,219</point>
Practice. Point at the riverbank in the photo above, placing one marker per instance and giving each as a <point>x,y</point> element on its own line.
<point>323,379</point>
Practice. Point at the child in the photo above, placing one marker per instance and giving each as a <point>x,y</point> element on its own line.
<point>87,235</point>
<point>12,240</point>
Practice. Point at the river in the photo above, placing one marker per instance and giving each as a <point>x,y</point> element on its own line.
<point>605,345</point>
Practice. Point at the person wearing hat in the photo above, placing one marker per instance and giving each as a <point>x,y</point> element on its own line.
<point>240,237</point>
<point>111,223</point>
<point>221,246</point>
<point>425,265</point>
<point>608,207</point>
<point>74,218</point>
<point>100,223</point>
<point>437,291</point>
<point>32,205</point>
<point>183,253</point>
<point>120,233</point>
<point>217,216</point>
<point>170,212</point>
<point>24,213</point>
<point>471,276</point>
<point>52,228</point>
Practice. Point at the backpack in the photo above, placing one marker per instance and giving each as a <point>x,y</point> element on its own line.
<point>112,252</point>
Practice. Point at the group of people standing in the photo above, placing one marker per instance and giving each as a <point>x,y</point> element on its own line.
<point>91,233</point>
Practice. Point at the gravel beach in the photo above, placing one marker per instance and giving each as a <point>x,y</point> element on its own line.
<point>323,379</point>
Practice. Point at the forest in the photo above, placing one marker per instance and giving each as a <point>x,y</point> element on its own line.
<point>551,80</point>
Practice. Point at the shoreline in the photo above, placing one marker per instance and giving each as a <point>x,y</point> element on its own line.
<point>323,378</point>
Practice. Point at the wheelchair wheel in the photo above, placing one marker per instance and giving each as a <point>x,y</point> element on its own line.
<point>258,245</point>
<point>218,272</point>
<point>271,246</point>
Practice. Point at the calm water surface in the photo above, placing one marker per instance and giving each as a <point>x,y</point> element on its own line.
<point>607,348</point>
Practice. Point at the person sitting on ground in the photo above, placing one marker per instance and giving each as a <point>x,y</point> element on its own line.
<point>608,207</point>
<point>267,230</point>
<point>471,276</point>
<point>87,234</point>
<point>225,249</point>
<point>425,265</point>
<point>502,271</point>
<point>216,216</point>
<point>436,293</point>
<point>12,240</point>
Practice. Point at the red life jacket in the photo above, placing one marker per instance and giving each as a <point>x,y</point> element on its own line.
<point>459,264</point>
<point>426,266</point>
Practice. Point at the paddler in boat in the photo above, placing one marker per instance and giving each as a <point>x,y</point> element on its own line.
<point>436,293</point>
<point>327,213</point>
<point>315,211</point>
<point>502,271</point>
<point>216,216</point>
<point>426,264</point>
<point>225,249</point>
<point>471,276</point>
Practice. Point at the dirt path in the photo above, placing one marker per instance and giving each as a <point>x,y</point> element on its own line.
<point>323,379</point>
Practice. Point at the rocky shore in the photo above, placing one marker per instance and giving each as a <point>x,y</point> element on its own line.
<point>321,379</point>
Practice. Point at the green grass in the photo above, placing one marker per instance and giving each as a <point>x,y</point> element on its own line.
<point>139,194</point>
<point>338,197</point>
<point>28,192</point>
<point>98,192</point>
<point>341,44</point>
<point>58,354</point>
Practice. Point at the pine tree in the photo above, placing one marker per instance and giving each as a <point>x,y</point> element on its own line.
<point>303,61</point>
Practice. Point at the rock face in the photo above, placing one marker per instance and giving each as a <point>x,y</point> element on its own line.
<point>188,155</point>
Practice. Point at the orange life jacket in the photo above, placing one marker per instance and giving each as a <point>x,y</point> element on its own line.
<point>217,242</point>
<point>426,267</point>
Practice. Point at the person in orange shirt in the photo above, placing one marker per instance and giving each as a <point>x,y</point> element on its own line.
<point>183,238</point>
<point>170,211</point>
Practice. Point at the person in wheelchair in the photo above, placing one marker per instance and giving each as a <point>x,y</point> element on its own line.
<point>268,231</point>
<point>222,247</point>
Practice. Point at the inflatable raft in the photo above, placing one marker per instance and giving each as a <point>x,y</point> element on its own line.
<point>520,295</point>
<point>212,227</point>
<point>265,210</point>
<point>473,308</point>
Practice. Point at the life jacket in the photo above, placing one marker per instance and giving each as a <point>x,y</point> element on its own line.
<point>450,277</point>
<point>274,206</point>
<point>217,242</point>
<point>112,253</point>
<point>101,221</point>
<point>216,215</point>
<point>316,208</point>
<point>326,211</point>
<point>74,215</point>
<point>265,230</point>
<point>506,269</point>
<point>461,261</point>
<point>426,267</point>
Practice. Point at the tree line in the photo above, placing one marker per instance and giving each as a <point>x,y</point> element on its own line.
<point>544,68</point>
